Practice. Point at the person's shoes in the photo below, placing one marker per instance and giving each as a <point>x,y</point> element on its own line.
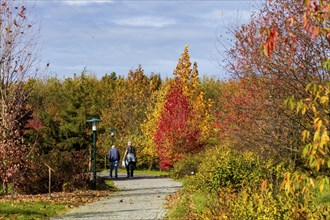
<point>116,177</point>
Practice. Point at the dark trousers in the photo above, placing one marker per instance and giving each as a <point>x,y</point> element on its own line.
<point>114,166</point>
<point>130,169</point>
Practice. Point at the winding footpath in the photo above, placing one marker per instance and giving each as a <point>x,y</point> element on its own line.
<point>141,197</point>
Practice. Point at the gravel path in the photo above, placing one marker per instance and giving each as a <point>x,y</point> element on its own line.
<point>141,197</point>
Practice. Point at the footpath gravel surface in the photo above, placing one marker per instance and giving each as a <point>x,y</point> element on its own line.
<point>141,197</point>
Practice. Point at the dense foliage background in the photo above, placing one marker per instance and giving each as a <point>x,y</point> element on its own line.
<point>254,146</point>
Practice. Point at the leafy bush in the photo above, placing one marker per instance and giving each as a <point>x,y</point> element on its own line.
<point>70,173</point>
<point>33,179</point>
<point>240,185</point>
<point>145,161</point>
<point>265,203</point>
<point>221,167</point>
<point>186,167</point>
<point>237,171</point>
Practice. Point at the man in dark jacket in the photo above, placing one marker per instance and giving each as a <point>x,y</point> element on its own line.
<point>114,158</point>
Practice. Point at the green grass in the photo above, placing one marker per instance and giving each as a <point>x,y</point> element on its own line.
<point>142,172</point>
<point>178,207</point>
<point>43,208</point>
<point>107,185</point>
<point>152,172</point>
<point>200,200</point>
<point>30,210</point>
<point>10,209</point>
<point>178,212</point>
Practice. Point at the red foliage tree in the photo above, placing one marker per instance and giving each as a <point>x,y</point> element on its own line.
<point>175,136</point>
<point>243,116</point>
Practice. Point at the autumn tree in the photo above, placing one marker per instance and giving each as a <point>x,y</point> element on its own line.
<point>17,61</point>
<point>188,76</point>
<point>149,156</point>
<point>183,124</point>
<point>128,108</point>
<point>62,138</point>
<point>266,82</point>
<point>174,137</point>
<point>315,107</point>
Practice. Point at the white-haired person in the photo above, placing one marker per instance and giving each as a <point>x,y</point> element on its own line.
<point>114,158</point>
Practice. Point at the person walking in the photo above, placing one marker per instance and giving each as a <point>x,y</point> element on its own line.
<point>114,158</point>
<point>130,157</point>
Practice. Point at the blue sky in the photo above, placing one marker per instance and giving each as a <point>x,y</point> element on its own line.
<point>116,35</point>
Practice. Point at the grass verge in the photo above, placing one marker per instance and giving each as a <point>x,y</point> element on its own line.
<point>30,210</point>
<point>143,172</point>
<point>152,172</point>
<point>44,206</point>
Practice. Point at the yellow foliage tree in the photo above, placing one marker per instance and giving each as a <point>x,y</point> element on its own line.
<point>183,71</point>
<point>149,126</point>
<point>192,88</point>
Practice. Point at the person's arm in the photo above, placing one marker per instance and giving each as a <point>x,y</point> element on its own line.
<point>125,154</point>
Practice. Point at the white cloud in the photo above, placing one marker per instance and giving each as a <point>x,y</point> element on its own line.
<point>86,2</point>
<point>118,35</point>
<point>146,21</point>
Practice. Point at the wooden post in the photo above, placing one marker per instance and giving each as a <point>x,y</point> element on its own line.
<point>49,178</point>
<point>105,162</point>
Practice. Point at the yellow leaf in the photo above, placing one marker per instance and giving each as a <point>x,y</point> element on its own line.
<point>321,187</point>
<point>303,110</point>
<point>308,86</point>
<point>316,120</point>
<point>317,135</point>
<point>305,135</point>
<point>264,185</point>
<point>324,139</point>
<point>314,109</point>
<point>324,99</point>
<point>319,124</point>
